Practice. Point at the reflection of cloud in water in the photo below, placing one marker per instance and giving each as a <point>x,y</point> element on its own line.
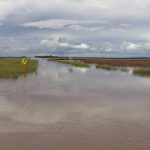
<point>42,100</point>
<point>52,71</point>
<point>130,72</point>
<point>34,110</point>
<point>45,109</point>
<point>81,70</point>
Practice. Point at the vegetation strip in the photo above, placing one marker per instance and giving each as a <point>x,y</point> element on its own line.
<point>75,63</point>
<point>12,67</point>
<point>112,65</point>
<point>145,72</point>
<point>111,68</point>
<point>106,67</point>
<point>116,62</point>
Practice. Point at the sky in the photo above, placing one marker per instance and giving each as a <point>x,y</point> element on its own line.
<point>98,28</point>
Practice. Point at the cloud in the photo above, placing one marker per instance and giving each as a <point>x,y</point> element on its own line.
<point>105,46</point>
<point>6,7</point>
<point>57,43</point>
<point>131,46</point>
<point>53,23</point>
<point>79,27</point>
<point>125,25</point>
<point>86,28</point>
<point>70,24</point>
<point>93,9</point>
<point>60,6</point>
<point>75,46</point>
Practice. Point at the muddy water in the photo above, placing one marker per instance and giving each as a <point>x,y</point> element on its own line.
<point>62,107</point>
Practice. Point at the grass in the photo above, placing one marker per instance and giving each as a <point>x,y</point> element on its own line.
<point>78,63</point>
<point>111,68</point>
<point>13,68</point>
<point>124,69</point>
<point>119,62</point>
<point>106,67</point>
<point>75,63</point>
<point>145,72</point>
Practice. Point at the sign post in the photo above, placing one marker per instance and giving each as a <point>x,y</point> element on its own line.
<point>24,63</point>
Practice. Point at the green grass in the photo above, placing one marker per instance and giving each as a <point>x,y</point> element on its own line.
<point>106,67</point>
<point>111,68</point>
<point>124,69</point>
<point>13,68</point>
<point>78,63</point>
<point>145,72</point>
<point>75,63</point>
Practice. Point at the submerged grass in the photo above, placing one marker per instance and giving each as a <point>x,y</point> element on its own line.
<point>124,69</point>
<point>12,67</point>
<point>75,63</point>
<point>145,72</point>
<point>111,68</point>
<point>106,67</point>
<point>78,63</point>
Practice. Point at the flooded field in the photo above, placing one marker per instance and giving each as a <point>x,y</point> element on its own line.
<point>62,107</point>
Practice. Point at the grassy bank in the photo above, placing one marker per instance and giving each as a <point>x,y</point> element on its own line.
<point>75,63</point>
<point>145,72</point>
<point>12,67</point>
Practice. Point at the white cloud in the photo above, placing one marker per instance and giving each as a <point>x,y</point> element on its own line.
<point>86,28</point>
<point>109,49</point>
<point>56,42</point>
<point>75,46</point>
<point>131,46</point>
<point>77,25</point>
<point>118,29</point>
<point>53,23</point>
<point>81,8</point>
<point>6,7</point>
<point>124,25</point>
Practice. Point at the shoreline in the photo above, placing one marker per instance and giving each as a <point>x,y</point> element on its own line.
<point>118,62</point>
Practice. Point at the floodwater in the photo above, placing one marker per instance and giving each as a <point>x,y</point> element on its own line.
<point>66,108</point>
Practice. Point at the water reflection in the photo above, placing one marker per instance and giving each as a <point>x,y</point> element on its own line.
<point>24,77</point>
<point>59,92</point>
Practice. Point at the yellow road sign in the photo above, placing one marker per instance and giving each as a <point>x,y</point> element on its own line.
<point>24,61</point>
